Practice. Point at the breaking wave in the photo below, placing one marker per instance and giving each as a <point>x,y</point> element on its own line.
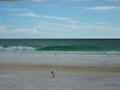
<point>17,48</point>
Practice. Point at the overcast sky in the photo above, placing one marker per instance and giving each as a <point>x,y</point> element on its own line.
<point>59,18</point>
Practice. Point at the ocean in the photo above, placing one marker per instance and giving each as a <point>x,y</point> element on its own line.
<point>60,44</point>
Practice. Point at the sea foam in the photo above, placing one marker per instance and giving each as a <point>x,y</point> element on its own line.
<point>17,48</point>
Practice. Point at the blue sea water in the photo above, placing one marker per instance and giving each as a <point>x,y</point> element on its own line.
<point>60,44</point>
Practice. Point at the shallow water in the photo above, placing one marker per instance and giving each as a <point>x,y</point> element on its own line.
<point>63,81</point>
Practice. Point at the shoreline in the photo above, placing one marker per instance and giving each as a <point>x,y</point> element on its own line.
<point>60,52</point>
<point>64,61</point>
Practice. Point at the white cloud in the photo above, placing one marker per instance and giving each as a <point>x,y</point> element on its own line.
<point>101,8</point>
<point>49,5</point>
<point>17,9</point>
<point>23,30</point>
<point>2,28</point>
<point>69,29</point>
<point>60,0</point>
<point>29,31</point>
<point>113,0</point>
<point>56,17</point>
<point>22,0</point>
<point>35,31</point>
<point>73,0</point>
<point>37,0</point>
<point>30,14</point>
<point>89,0</point>
<point>56,29</point>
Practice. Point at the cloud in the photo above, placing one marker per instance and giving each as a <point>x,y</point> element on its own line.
<point>59,0</point>
<point>37,0</point>
<point>56,29</point>
<point>31,30</point>
<point>56,17</point>
<point>49,5</point>
<point>18,9</point>
<point>44,0</point>
<point>70,28</point>
<point>112,0</point>
<point>89,0</point>
<point>101,8</point>
<point>21,0</point>
<point>30,14</point>
<point>11,0</point>
<point>73,0</point>
<point>15,9</point>
<point>2,28</point>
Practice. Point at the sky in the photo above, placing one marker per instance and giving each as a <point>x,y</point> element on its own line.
<point>59,19</point>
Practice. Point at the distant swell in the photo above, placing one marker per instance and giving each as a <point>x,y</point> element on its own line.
<point>17,48</point>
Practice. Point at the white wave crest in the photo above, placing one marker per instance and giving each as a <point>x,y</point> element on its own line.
<point>17,48</point>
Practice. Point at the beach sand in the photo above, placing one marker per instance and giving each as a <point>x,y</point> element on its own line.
<point>64,61</point>
<point>75,71</point>
<point>42,80</point>
<point>61,58</point>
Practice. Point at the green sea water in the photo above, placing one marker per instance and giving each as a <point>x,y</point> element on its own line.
<point>65,44</point>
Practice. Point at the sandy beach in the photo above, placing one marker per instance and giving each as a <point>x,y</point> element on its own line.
<point>63,81</point>
<point>65,61</point>
<point>99,59</point>
<point>75,71</point>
